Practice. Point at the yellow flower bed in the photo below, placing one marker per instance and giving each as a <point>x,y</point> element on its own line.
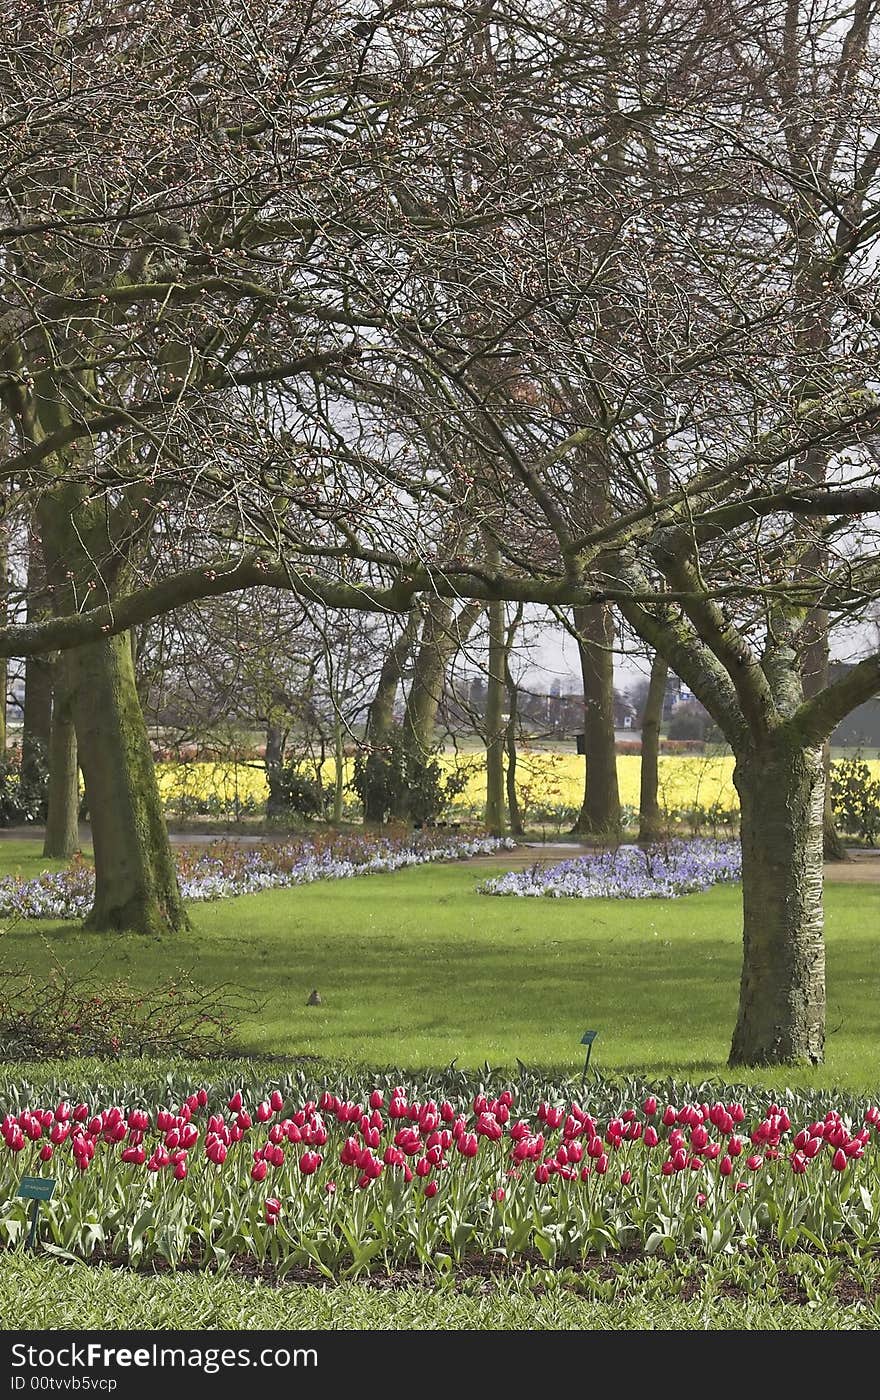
<point>543,779</point>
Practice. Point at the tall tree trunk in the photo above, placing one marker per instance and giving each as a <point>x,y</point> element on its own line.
<point>833,848</point>
<point>62,820</point>
<point>4,618</point>
<point>600,811</point>
<point>274,755</point>
<point>37,715</point>
<point>442,636</point>
<point>380,715</point>
<point>495,689</point>
<point>513,811</point>
<point>781,1017</point>
<point>339,767</point>
<point>650,818</point>
<point>135,876</point>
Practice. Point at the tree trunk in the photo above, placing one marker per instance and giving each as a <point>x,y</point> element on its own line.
<point>380,715</point>
<point>781,1017</point>
<point>339,768</point>
<point>4,619</point>
<point>495,720</point>
<point>650,818</point>
<point>513,811</point>
<point>62,821</point>
<point>135,876</point>
<point>833,848</point>
<point>442,636</point>
<point>37,715</point>
<point>274,753</point>
<point>600,812</point>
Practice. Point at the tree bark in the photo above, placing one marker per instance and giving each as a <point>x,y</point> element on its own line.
<point>513,810</point>
<point>781,1016</point>
<point>650,818</point>
<point>442,636</point>
<point>380,715</point>
<point>37,715</point>
<point>495,689</point>
<point>274,754</point>
<point>135,876</point>
<point>62,820</point>
<point>600,811</point>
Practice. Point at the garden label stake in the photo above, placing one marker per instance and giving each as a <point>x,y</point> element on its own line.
<point>587,1039</point>
<point>36,1189</point>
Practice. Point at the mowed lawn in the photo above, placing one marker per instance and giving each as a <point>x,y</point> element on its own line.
<point>416,969</point>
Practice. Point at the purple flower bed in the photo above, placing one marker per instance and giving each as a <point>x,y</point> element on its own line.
<point>629,872</point>
<point>224,869</point>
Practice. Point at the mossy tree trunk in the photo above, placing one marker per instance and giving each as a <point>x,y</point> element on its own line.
<point>600,810</point>
<point>62,820</point>
<point>650,817</point>
<point>781,1017</point>
<point>136,885</point>
<point>135,876</point>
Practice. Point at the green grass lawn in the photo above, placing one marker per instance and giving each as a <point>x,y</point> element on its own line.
<point>416,969</point>
<point>39,1293</point>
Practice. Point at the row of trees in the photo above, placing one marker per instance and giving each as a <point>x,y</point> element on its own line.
<point>436,308</point>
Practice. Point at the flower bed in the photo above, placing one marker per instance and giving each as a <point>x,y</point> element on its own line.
<point>224,869</point>
<point>342,1184</point>
<point>629,872</point>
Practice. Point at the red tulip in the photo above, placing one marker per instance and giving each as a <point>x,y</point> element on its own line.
<point>259,1170</point>
<point>180,1171</point>
<point>839,1160</point>
<point>813,1146</point>
<point>699,1138</point>
<point>542,1173</point>
<point>669,1116</point>
<point>625,1177</point>
<point>679,1159</point>
<point>468,1145</point>
<point>276,1100</point>
<point>649,1107</point>
<point>46,1152</point>
<point>754,1163</point>
<point>431,1189</point>
<point>498,1194</point>
<point>272,1210</point>
<point>667,1168</point>
<point>136,1156</point>
<point>798,1163</point>
<point>236,1102</point>
<point>600,1166</point>
<point>650,1138</point>
<point>309,1163</point>
<point>264,1111</point>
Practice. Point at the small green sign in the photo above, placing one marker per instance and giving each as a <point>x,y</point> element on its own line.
<point>588,1037</point>
<point>37,1188</point>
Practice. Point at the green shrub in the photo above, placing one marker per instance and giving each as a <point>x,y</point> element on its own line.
<point>855,797</point>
